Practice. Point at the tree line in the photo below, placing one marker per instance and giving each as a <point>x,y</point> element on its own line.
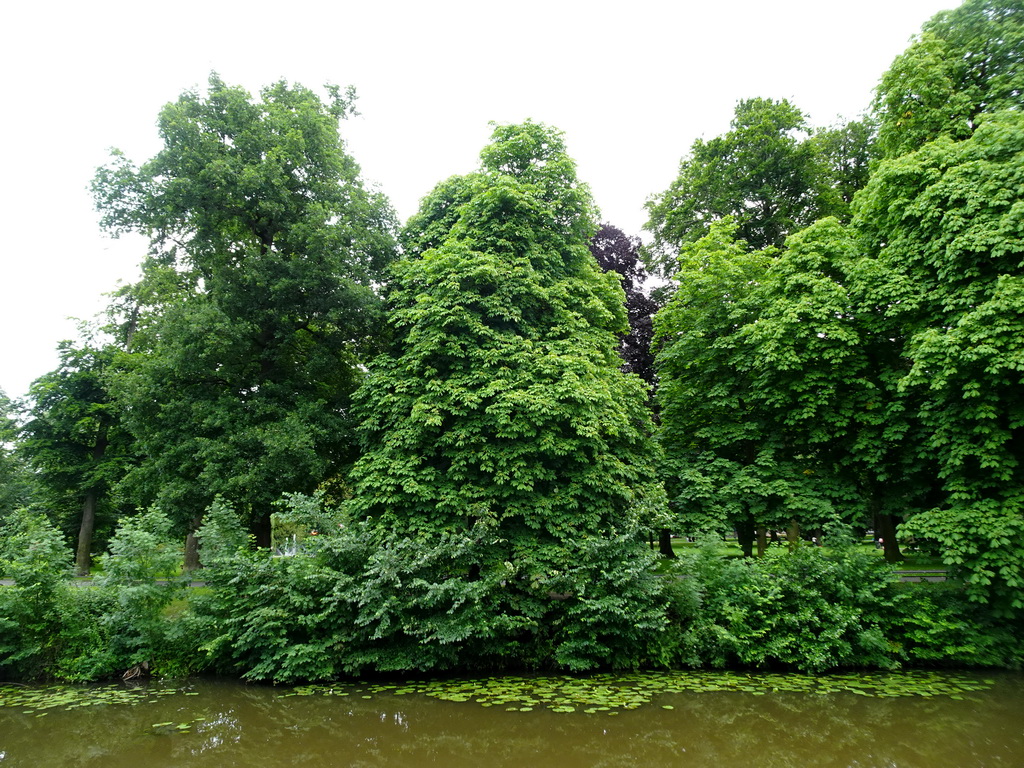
<point>838,338</point>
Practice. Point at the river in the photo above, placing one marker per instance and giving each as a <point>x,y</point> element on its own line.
<point>749,721</point>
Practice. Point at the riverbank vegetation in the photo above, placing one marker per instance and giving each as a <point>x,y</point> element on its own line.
<point>482,431</point>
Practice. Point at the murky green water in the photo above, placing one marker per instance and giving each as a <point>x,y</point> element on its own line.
<point>226,724</point>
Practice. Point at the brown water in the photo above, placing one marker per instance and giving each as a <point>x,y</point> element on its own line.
<point>231,724</point>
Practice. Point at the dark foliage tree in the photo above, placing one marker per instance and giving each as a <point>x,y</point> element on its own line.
<point>619,253</point>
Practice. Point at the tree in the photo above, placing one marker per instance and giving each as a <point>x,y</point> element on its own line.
<point>827,367</point>
<point>258,302</point>
<point>15,480</point>
<point>763,173</point>
<point>776,409</point>
<point>616,252</point>
<point>942,228</point>
<point>967,62</point>
<point>501,406</point>
<point>724,465</point>
<point>844,153</point>
<point>74,441</point>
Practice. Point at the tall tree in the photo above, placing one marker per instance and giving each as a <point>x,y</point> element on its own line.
<point>763,173</point>
<point>501,404</point>
<point>966,62</point>
<point>729,461</point>
<point>827,367</point>
<point>258,302</point>
<point>942,229</point>
<point>74,441</point>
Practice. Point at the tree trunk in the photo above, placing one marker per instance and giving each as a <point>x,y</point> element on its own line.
<point>261,530</point>
<point>793,533</point>
<point>83,553</point>
<point>885,528</point>
<point>192,546</point>
<point>762,541</point>
<point>745,535</point>
<point>665,543</point>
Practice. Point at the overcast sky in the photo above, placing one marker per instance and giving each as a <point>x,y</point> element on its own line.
<point>632,83</point>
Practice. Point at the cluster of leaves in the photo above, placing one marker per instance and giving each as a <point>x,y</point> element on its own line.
<point>125,621</point>
<point>815,610</point>
<point>870,369</point>
<point>356,604</point>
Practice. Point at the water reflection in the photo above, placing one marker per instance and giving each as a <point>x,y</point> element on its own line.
<point>253,727</point>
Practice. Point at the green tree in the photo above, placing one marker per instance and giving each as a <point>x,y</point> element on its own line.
<point>726,465</point>
<point>764,173</point>
<point>74,442</point>
<point>966,62</point>
<point>16,483</point>
<point>827,367</point>
<point>942,227</point>
<point>258,302</point>
<point>845,153</point>
<point>501,403</point>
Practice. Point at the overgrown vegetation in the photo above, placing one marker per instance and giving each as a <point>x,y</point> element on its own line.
<point>351,607</point>
<point>457,417</point>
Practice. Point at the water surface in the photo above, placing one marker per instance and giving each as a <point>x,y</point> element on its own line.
<point>224,724</point>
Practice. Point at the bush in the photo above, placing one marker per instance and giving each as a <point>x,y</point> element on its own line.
<point>354,604</point>
<point>32,612</point>
<point>144,599</point>
<point>939,625</point>
<point>808,610</point>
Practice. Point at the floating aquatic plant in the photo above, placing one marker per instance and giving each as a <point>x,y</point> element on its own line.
<point>605,694</point>
<point>615,693</point>
<point>41,699</point>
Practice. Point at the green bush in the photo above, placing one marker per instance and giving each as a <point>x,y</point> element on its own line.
<point>939,625</point>
<point>33,554</point>
<point>354,604</point>
<point>141,584</point>
<point>808,610</point>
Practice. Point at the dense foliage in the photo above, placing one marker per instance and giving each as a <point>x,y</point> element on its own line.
<point>460,442</point>
<point>501,410</point>
<point>257,306</point>
<point>74,442</point>
<point>769,174</point>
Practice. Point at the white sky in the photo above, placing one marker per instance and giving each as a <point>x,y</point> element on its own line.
<point>632,83</point>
